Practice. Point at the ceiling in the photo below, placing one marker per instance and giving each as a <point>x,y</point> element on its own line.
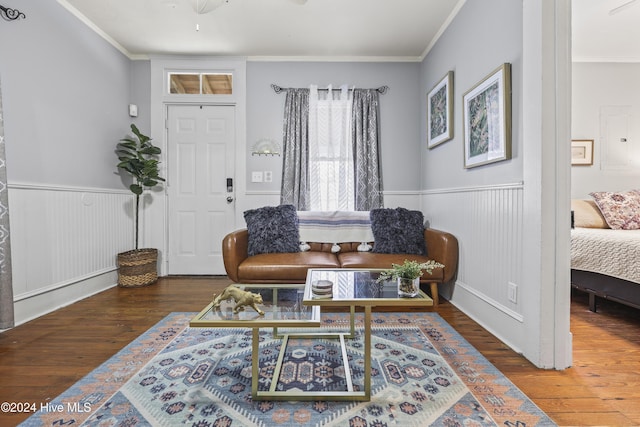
<point>606,30</point>
<point>398,29</point>
<point>401,30</point>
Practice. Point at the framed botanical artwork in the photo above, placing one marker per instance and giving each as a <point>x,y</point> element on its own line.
<point>581,152</point>
<point>487,119</point>
<point>440,111</point>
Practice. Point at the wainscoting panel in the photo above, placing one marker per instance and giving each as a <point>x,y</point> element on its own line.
<point>63,236</point>
<point>488,222</point>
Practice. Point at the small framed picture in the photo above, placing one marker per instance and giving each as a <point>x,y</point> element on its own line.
<point>581,152</point>
<point>440,111</point>
<point>487,119</point>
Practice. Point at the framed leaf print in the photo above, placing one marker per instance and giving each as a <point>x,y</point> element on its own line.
<point>440,111</point>
<point>487,119</point>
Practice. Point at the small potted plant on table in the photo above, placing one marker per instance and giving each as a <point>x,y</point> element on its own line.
<point>408,275</point>
<point>139,158</point>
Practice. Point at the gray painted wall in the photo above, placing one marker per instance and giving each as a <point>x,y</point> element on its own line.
<point>483,36</point>
<point>597,85</point>
<point>399,112</point>
<point>141,92</point>
<point>65,96</point>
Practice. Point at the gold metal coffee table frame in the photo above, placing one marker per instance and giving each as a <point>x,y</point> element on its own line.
<point>353,288</point>
<point>358,288</point>
<point>278,314</point>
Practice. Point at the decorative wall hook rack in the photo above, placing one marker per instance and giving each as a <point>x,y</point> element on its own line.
<point>9,14</point>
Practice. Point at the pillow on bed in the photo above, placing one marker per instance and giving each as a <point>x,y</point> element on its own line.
<point>272,229</point>
<point>586,214</point>
<point>620,210</point>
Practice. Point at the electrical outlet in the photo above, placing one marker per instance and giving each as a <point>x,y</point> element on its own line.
<point>512,294</point>
<point>256,176</point>
<point>268,176</point>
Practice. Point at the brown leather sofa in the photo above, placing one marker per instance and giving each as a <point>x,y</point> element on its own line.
<point>292,267</point>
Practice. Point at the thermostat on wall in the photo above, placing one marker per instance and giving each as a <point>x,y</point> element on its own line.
<point>133,110</point>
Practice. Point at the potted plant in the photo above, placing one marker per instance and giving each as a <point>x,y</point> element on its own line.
<point>408,275</point>
<point>139,158</point>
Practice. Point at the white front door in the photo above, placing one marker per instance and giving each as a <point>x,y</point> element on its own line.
<point>200,163</point>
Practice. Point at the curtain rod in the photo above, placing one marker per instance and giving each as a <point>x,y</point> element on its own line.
<point>278,89</point>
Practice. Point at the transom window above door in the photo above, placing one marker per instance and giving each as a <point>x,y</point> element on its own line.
<point>201,83</point>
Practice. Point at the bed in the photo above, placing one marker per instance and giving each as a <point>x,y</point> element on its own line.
<point>605,247</point>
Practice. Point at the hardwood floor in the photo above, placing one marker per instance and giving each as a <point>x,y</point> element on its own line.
<point>42,358</point>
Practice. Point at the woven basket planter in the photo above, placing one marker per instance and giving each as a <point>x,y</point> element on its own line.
<point>137,268</point>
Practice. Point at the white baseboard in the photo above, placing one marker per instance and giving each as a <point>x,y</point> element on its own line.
<point>489,314</point>
<point>36,305</point>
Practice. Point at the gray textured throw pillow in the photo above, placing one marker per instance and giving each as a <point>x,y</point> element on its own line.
<point>272,229</point>
<point>398,231</point>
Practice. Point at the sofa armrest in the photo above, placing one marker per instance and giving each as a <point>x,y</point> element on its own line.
<point>234,251</point>
<point>443,248</point>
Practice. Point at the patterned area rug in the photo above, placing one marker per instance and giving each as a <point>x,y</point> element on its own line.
<point>423,373</point>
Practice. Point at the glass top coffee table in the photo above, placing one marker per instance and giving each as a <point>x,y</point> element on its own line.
<point>358,288</point>
<point>294,306</point>
<point>282,306</point>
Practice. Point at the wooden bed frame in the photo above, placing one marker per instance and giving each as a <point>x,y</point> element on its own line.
<point>607,287</point>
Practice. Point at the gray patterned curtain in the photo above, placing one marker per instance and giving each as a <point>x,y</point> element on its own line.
<point>295,182</point>
<point>6,286</point>
<point>368,179</point>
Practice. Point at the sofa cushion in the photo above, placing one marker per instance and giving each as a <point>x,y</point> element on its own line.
<point>272,229</point>
<point>384,261</point>
<point>284,267</point>
<point>398,231</point>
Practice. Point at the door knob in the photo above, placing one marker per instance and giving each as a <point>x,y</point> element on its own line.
<point>229,199</point>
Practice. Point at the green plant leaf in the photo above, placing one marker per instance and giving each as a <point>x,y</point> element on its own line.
<point>143,138</point>
<point>408,270</point>
<point>150,150</point>
<point>136,189</point>
<point>127,154</point>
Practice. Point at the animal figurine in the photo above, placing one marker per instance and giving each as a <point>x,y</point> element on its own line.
<point>242,299</point>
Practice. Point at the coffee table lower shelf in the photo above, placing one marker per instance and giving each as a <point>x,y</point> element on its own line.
<point>350,394</point>
<point>211,317</point>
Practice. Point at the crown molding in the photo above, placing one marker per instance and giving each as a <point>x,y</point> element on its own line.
<point>443,28</point>
<point>334,58</point>
<point>75,12</point>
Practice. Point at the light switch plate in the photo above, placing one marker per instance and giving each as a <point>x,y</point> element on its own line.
<point>512,292</point>
<point>133,110</point>
<point>256,176</point>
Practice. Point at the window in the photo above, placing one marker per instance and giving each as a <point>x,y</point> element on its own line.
<point>335,165</point>
<point>331,177</point>
<point>201,83</point>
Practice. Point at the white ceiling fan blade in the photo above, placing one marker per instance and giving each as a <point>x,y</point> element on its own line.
<point>205,6</point>
<point>622,7</point>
